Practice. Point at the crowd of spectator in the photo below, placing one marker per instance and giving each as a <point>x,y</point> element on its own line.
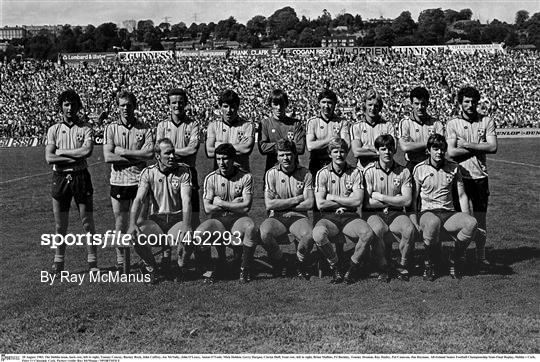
<point>508,81</point>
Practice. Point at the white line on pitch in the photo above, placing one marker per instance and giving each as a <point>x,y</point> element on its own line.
<point>40,174</point>
<point>514,163</point>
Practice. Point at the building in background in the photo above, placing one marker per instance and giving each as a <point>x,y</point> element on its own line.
<point>33,30</point>
<point>338,41</point>
<point>12,32</point>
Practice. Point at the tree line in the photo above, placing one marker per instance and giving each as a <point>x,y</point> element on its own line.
<point>285,29</point>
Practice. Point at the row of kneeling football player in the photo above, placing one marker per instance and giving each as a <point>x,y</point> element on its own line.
<point>372,208</point>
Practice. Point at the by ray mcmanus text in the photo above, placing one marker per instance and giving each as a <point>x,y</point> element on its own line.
<point>65,277</point>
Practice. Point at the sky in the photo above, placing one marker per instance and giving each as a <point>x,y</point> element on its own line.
<point>95,12</point>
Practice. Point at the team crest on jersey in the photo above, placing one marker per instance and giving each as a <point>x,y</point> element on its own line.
<point>290,135</point>
<point>240,134</point>
<point>481,133</point>
<point>237,190</point>
<point>397,182</point>
<point>175,182</point>
<point>187,135</point>
<point>300,185</point>
<point>80,137</point>
<point>348,187</point>
<point>449,177</point>
<point>139,136</point>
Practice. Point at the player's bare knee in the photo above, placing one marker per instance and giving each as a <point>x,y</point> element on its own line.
<point>377,225</point>
<point>430,219</point>
<point>320,235</point>
<point>250,231</point>
<point>470,225</point>
<point>304,236</point>
<point>431,227</point>
<point>408,231</point>
<point>266,233</point>
<point>366,236</point>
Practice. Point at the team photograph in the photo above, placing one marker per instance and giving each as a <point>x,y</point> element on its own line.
<point>323,180</point>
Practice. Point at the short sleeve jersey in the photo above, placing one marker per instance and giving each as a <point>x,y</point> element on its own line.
<point>387,182</point>
<point>235,133</point>
<point>285,185</point>
<point>367,133</point>
<point>436,184</point>
<point>322,129</point>
<point>182,135</point>
<point>66,137</point>
<point>412,131</point>
<point>340,184</point>
<point>136,136</point>
<point>165,188</point>
<point>475,132</point>
<point>239,184</point>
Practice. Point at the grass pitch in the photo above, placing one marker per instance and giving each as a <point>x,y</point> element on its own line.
<point>495,313</point>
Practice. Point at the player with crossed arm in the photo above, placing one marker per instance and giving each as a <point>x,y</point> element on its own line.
<point>433,204</point>
<point>128,144</point>
<point>279,126</point>
<point>364,132</point>
<point>470,137</point>
<point>231,129</point>
<point>227,198</point>
<point>415,129</point>
<point>388,190</point>
<point>338,193</point>
<point>184,133</point>
<point>167,185</point>
<point>69,143</point>
<point>322,128</point>
<point>288,196</point>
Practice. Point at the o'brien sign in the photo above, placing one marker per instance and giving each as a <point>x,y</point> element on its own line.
<point>419,50</point>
